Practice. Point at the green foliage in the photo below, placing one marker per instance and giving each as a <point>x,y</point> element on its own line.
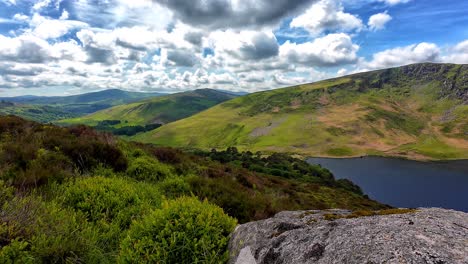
<point>183,231</point>
<point>16,252</point>
<point>278,164</point>
<point>174,187</point>
<point>37,232</point>
<point>147,169</point>
<point>109,199</point>
<point>110,203</point>
<point>227,194</point>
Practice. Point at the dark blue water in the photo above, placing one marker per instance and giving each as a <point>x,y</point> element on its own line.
<point>404,183</point>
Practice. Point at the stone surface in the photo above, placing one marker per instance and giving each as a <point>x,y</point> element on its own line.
<point>430,235</point>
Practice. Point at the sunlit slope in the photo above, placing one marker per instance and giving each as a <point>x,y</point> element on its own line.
<point>418,111</point>
<point>161,109</point>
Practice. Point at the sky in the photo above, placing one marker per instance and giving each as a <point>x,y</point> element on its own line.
<point>64,47</point>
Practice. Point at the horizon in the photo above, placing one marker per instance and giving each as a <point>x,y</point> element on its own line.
<point>215,89</point>
<point>62,47</point>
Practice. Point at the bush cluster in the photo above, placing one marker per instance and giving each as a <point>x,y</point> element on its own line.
<point>182,231</point>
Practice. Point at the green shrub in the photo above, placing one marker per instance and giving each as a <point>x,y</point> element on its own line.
<point>16,252</point>
<point>228,195</point>
<point>110,199</point>
<point>32,230</point>
<point>147,169</point>
<point>174,187</point>
<point>110,204</point>
<point>183,231</point>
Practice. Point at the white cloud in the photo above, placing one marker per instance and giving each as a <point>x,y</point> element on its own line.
<point>457,54</point>
<point>21,17</point>
<point>41,4</point>
<point>65,15</point>
<point>378,21</point>
<point>422,52</point>
<point>330,50</point>
<point>48,28</point>
<point>394,2</point>
<point>244,45</point>
<point>327,15</point>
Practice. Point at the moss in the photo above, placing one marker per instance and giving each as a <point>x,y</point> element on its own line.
<point>364,213</point>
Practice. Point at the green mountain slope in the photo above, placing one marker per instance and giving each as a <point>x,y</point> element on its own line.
<point>159,110</point>
<point>417,111</point>
<point>83,103</point>
<point>39,113</point>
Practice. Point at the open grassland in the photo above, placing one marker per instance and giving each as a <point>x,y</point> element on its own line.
<point>417,111</point>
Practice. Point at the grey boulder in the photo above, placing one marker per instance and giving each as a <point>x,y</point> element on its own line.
<point>428,235</point>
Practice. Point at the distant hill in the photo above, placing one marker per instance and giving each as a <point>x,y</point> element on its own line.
<point>158,110</point>
<point>51,108</point>
<point>83,103</point>
<point>417,111</point>
<point>234,93</point>
<point>39,113</point>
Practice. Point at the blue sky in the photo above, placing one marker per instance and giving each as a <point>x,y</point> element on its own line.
<point>58,47</point>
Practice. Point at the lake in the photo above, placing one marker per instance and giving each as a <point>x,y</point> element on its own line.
<point>405,183</point>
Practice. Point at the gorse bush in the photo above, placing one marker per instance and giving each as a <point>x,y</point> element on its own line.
<point>174,187</point>
<point>32,231</point>
<point>110,204</point>
<point>109,199</point>
<point>147,169</point>
<point>183,231</point>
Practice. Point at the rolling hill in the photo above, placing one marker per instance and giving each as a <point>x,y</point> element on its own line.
<point>39,113</point>
<point>83,103</point>
<point>416,111</point>
<point>159,110</point>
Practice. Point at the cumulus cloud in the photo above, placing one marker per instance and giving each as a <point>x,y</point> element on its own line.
<point>244,45</point>
<point>330,50</point>
<point>27,49</point>
<point>458,53</point>
<point>378,21</point>
<point>181,58</point>
<point>47,28</point>
<point>215,14</point>
<point>327,15</point>
<point>422,52</point>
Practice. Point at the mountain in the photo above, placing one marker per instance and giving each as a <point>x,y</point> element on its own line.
<point>158,110</point>
<point>39,113</point>
<point>83,103</point>
<point>416,111</point>
<point>234,93</point>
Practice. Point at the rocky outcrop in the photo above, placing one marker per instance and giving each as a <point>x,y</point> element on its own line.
<point>424,236</point>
